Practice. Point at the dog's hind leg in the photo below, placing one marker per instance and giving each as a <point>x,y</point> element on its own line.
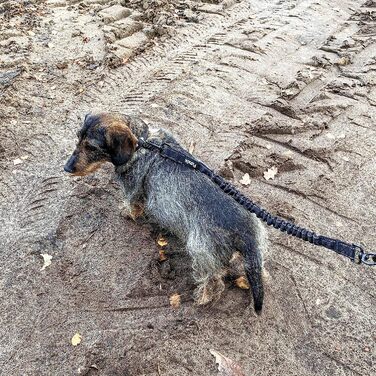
<point>208,271</point>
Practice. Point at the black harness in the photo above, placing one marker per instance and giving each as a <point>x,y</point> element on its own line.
<point>352,251</point>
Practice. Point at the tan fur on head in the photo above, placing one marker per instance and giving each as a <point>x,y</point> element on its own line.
<point>118,126</point>
<point>102,138</point>
<point>84,168</point>
<point>120,139</point>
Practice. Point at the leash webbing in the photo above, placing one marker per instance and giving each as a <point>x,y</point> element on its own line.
<point>352,251</point>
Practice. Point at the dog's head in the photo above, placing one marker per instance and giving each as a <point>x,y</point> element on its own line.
<point>102,138</point>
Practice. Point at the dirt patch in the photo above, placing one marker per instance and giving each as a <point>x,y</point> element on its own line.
<point>252,85</point>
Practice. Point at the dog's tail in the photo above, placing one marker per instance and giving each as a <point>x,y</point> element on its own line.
<point>253,270</point>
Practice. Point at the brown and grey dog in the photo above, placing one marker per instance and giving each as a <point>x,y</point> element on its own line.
<point>180,200</point>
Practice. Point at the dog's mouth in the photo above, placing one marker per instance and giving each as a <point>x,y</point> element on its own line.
<point>73,172</point>
<point>72,169</point>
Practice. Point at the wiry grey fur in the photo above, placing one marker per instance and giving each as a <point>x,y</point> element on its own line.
<point>181,200</point>
<point>186,203</point>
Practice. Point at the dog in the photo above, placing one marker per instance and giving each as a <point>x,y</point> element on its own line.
<point>184,202</point>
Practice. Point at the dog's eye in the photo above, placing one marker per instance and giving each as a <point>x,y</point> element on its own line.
<point>91,147</point>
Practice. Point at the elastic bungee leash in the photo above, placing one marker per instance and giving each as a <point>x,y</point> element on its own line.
<point>352,251</point>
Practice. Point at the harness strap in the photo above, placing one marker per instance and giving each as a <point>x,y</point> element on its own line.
<point>352,251</point>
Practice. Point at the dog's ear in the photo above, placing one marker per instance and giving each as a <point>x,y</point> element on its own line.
<point>121,144</point>
<point>90,122</point>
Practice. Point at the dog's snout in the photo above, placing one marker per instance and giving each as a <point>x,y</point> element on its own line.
<point>68,168</point>
<point>70,165</point>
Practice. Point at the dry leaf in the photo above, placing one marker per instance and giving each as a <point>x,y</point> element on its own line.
<point>175,300</point>
<point>24,157</point>
<point>162,255</point>
<point>226,366</point>
<point>271,173</point>
<point>242,283</point>
<point>76,339</point>
<point>17,161</point>
<point>245,180</point>
<point>46,260</point>
<point>162,242</point>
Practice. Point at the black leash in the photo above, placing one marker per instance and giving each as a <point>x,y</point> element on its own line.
<point>352,251</point>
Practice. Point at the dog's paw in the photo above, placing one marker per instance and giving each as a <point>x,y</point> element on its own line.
<point>137,211</point>
<point>134,211</point>
<point>209,291</point>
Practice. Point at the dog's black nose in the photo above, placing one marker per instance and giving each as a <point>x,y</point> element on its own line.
<point>70,166</point>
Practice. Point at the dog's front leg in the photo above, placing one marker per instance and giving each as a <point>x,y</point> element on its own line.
<point>136,210</point>
<point>132,210</point>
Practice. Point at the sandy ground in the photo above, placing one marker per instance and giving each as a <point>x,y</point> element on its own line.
<point>253,84</point>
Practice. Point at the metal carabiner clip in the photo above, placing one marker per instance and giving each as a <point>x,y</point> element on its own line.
<point>358,254</point>
<point>369,259</point>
